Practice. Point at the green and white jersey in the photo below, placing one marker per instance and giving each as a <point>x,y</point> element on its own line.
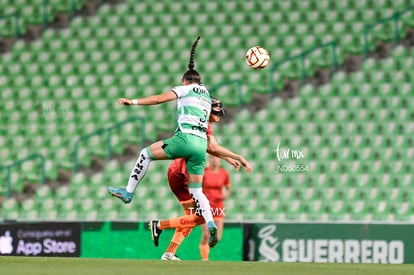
<point>193,109</point>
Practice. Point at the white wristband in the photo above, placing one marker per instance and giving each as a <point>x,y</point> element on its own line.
<point>135,102</point>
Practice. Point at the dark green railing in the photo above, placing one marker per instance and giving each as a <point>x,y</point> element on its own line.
<point>32,157</point>
<point>108,133</point>
<point>302,56</point>
<point>396,17</point>
<point>238,83</point>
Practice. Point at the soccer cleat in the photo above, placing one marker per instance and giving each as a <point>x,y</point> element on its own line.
<point>212,239</point>
<point>169,257</point>
<point>121,193</point>
<point>155,231</point>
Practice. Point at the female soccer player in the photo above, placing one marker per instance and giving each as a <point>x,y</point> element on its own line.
<point>178,181</point>
<point>189,140</point>
<point>216,187</point>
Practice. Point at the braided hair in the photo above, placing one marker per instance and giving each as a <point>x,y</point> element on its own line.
<point>192,75</point>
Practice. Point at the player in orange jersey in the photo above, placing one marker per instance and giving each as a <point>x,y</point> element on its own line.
<point>216,187</point>
<point>178,180</point>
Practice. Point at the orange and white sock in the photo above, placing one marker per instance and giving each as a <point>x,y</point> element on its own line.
<point>179,235</point>
<point>186,221</point>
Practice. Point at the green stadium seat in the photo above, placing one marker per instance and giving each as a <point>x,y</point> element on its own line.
<point>43,192</point>
<point>63,192</point>
<point>107,204</point>
<point>69,215</point>
<point>66,205</point>
<point>9,205</point>
<point>110,215</point>
<point>407,18</point>
<point>28,214</point>
<point>403,211</point>
<point>87,205</point>
<point>49,215</point>
<point>101,192</point>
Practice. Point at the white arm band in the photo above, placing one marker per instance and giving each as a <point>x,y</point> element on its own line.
<point>135,102</point>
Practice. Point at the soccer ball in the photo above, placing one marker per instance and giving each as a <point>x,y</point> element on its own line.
<point>257,57</point>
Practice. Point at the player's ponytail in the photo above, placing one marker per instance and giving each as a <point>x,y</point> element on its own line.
<point>191,65</point>
<point>192,75</point>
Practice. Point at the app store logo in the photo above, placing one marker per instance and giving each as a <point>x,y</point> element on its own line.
<point>6,246</point>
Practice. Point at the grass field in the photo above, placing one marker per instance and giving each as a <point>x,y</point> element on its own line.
<point>84,266</point>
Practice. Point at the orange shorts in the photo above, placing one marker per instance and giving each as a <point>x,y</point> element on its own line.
<point>178,180</point>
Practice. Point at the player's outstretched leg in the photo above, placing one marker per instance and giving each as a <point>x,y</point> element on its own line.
<point>121,193</point>
<point>137,174</point>
<point>155,231</point>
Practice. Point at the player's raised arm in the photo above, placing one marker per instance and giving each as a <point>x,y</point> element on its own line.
<point>149,100</point>
<point>216,149</point>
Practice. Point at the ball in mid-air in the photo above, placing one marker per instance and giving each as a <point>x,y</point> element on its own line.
<point>257,57</point>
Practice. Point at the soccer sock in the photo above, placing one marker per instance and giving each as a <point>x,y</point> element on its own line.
<point>202,203</point>
<point>185,221</point>
<point>139,170</point>
<point>179,235</point>
<point>204,251</point>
